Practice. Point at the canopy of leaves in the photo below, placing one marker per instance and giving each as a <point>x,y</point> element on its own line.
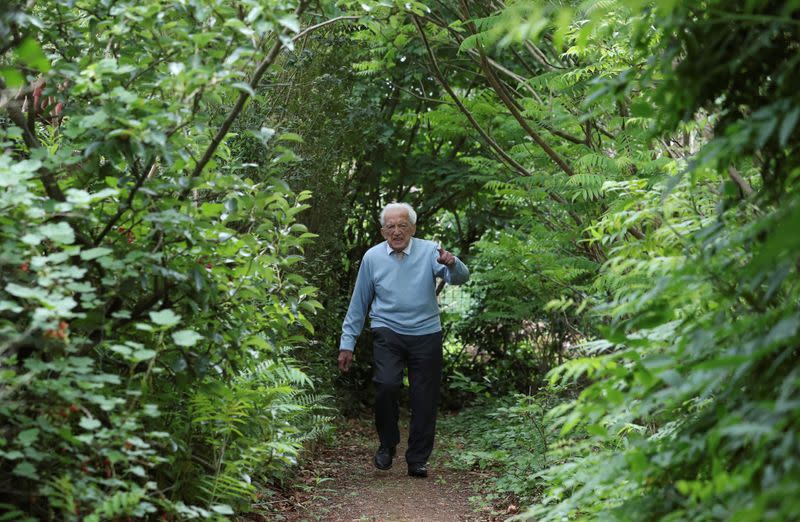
<point>621,176</point>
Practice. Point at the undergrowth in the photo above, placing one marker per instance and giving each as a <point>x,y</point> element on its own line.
<point>507,438</point>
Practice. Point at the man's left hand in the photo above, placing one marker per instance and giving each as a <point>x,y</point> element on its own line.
<point>445,257</point>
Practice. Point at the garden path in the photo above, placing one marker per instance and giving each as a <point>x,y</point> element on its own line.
<point>340,484</point>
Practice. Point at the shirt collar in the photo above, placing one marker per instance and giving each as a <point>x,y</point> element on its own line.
<point>406,250</point>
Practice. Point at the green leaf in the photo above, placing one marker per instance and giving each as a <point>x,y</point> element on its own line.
<point>787,126</point>
<point>12,455</point>
<point>222,509</point>
<point>94,253</point>
<point>121,349</point>
<point>290,22</point>
<point>767,127</point>
<point>59,232</point>
<point>10,306</point>
<point>95,120</point>
<point>12,77</point>
<point>244,87</point>
<point>77,196</point>
<point>31,54</point>
<point>263,135</point>
<point>89,423</point>
<point>563,21</point>
<point>27,470</point>
<point>290,136</point>
<point>165,317</point>
<point>211,209</point>
<point>469,42</point>
<point>186,337</point>
<point>28,437</point>
<point>142,354</point>
<point>26,292</point>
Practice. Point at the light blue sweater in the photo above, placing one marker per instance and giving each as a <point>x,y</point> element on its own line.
<point>401,290</point>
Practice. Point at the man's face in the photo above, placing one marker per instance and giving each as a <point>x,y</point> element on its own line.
<point>397,229</point>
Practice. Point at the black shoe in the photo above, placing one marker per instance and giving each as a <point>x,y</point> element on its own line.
<point>383,457</point>
<point>418,470</point>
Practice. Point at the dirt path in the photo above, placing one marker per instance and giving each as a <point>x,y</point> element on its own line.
<point>341,484</point>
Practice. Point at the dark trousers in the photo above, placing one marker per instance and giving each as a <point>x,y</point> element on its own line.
<point>422,354</point>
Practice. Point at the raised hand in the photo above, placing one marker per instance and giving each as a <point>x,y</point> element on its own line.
<point>445,257</point>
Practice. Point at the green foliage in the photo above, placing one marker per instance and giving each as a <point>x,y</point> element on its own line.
<point>687,413</point>
<point>638,164</point>
<point>253,429</point>
<point>621,177</point>
<point>507,437</point>
<point>515,276</point>
<point>137,278</point>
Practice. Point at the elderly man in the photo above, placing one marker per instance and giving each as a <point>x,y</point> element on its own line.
<point>397,283</point>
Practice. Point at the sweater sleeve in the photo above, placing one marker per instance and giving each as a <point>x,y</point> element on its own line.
<point>363,293</point>
<point>456,275</point>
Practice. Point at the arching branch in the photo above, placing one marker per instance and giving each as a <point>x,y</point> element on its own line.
<point>505,157</point>
<point>506,99</point>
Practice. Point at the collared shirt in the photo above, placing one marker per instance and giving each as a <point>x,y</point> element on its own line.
<point>406,250</point>
<point>399,296</point>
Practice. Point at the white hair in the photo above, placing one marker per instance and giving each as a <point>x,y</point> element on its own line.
<point>412,216</point>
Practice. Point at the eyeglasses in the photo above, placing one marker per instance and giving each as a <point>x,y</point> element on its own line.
<point>402,227</point>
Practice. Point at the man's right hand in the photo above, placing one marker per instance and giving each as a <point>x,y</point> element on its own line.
<point>345,358</point>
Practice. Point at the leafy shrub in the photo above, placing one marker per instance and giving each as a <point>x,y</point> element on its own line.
<point>689,413</point>
<point>148,297</point>
<point>506,436</point>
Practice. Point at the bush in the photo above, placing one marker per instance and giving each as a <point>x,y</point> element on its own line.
<point>149,298</point>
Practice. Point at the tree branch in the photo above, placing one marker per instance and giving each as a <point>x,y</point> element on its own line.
<point>312,28</point>
<point>492,143</point>
<point>127,204</point>
<point>503,94</point>
<point>238,106</point>
<point>477,126</point>
<point>742,183</point>
<point>539,56</point>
